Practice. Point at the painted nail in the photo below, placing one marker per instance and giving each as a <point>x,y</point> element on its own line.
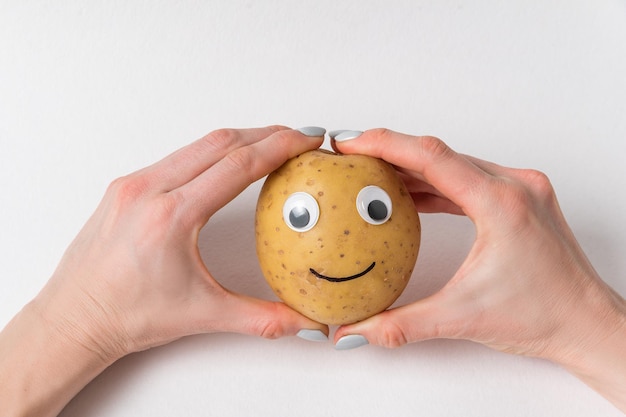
<point>351,341</point>
<point>312,131</point>
<point>312,335</point>
<point>347,135</point>
<point>334,133</point>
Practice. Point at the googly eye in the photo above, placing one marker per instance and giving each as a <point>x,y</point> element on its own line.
<point>374,205</point>
<point>301,212</point>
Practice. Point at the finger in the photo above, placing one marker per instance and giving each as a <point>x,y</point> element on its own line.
<point>429,203</point>
<point>190,161</point>
<point>427,198</point>
<point>247,315</point>
<point>228,177</point>
<point>489,167</point>
<point>429,159</point>
<point>526,177</point>
<point>422,320</point>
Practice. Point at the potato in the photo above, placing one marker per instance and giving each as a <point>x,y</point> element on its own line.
<point>337,236</point>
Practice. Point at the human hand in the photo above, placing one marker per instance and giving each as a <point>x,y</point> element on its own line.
<point>526,287</point>
<point>133,278</point>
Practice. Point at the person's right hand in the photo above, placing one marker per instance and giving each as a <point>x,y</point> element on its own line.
<point>134,278</point>
<point>526,287</point>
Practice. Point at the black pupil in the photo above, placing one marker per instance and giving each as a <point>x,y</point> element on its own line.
<point>377,210</point>
<point>299,217</point>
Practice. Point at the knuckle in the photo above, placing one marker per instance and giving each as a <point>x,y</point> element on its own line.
<point>435,147</point>
<point>538,183</point>
<point>282,145</point>
<point>391,335</point>
<point>164,209</point>
<point>530,190</point>
<point>241,160</point>
<point>128,188</point>
<point>268,323</point>
<point>276,128</point>
<point>270,330</point>
<point>381,132</point>
<point>155,215</point>
<point>223,136</point>
<point>221,139</point>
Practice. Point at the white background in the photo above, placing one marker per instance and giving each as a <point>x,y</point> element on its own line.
<point>90,91</point>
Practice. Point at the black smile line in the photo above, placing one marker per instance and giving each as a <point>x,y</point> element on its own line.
<point>331,279</point>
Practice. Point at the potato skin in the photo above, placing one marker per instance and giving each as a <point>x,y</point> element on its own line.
<point>342,243</point>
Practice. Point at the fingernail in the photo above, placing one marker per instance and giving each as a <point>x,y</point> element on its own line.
<point>312,335</point>
<point>312,131</point>
<point>334,133</point>
<point>347,135</point>
<point>351,341</point>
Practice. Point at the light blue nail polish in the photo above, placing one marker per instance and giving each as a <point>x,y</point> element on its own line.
<point>334,133</point>
<point>312,131</point>
<point>312,335</point>
<point>351,341</point>
<point>348,135</point>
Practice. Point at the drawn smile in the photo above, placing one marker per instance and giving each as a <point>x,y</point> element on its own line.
<point>343,279</point>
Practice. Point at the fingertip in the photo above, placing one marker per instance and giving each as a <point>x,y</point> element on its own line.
<point>356,141</point>
<point>351,329</point>
<point>428,158</point>
<point>351,341</point>
<point>312,131</point>
<point>302,139</point>
<point>312,335</point>
<point>352,336</point>
<point>346,135</point>
<point>383,329</point>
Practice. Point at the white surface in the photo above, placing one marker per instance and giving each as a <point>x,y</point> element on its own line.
<point>92,90</point>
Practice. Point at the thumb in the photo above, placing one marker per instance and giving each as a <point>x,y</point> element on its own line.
<point>268,319</point>
<point>422,320</point>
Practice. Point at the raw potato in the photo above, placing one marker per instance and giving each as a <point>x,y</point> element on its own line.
<point>367,265</point>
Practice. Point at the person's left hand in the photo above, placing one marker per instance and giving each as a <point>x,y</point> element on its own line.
<point>133,278</point>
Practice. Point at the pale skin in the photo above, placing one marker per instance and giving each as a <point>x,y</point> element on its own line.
<point>525,288</point>
<point>133,278</point>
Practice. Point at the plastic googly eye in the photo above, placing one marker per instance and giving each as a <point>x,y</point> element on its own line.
<point>301,212</point>
<point>374,205</point>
